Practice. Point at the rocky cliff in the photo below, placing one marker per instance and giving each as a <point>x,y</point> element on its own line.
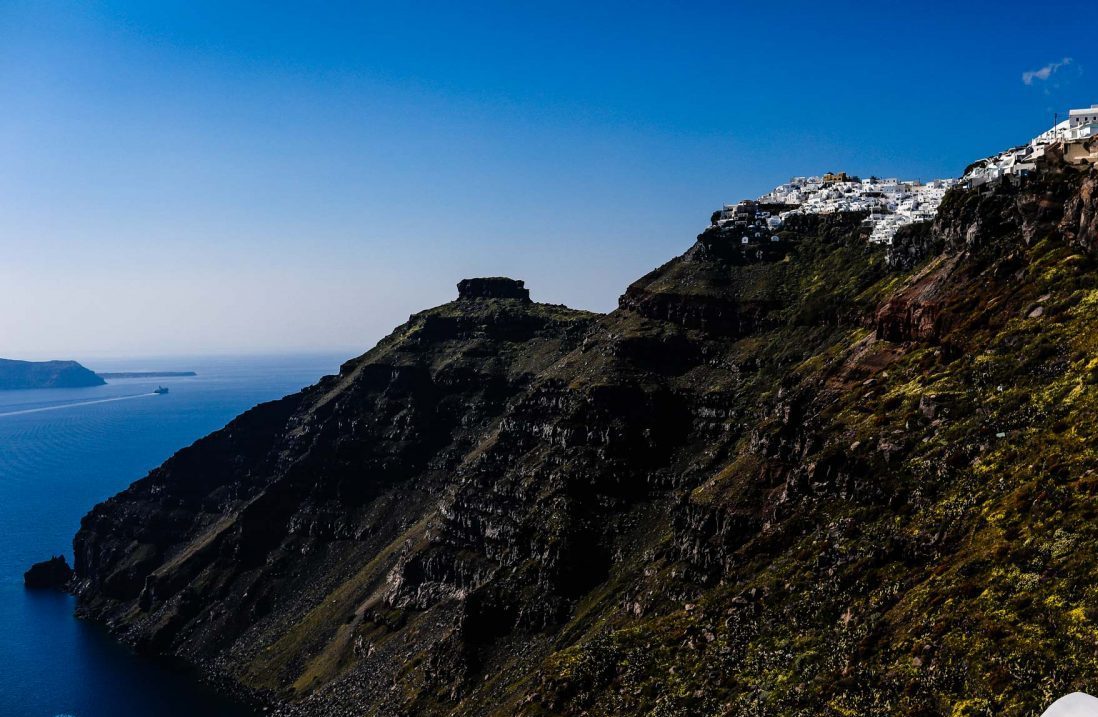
<point>45,374</point>
<point>808,477</point>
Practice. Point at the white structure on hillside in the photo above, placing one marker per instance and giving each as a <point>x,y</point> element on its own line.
<point>890,203</point>
<point>1080,118</point>
<point>1075,135</point>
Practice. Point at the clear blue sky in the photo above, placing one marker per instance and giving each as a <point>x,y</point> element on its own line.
<point>191,177</point>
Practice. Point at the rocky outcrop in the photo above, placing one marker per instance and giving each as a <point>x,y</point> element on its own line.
<point>913,244</point>
<point>1058,202</point>
<point>723,287</point>
<point>54,574</point>
<point>800,479</point>
<point>1080,219</point>
<point>496,287</point>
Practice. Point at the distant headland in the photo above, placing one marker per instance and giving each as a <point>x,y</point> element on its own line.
<point>145,374</point>
<point>66,374</point>
<point>45,374</point>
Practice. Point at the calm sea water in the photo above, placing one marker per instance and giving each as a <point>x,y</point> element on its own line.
<point>62,451</point>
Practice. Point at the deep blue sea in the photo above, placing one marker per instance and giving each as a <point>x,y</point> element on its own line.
<point>62,451</point>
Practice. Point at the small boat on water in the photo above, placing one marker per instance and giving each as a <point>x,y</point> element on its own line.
<point>160,390</point>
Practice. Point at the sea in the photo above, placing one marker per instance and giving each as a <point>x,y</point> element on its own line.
<point>61,452</point>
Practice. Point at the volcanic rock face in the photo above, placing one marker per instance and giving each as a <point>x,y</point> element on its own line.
<point>806,478</point>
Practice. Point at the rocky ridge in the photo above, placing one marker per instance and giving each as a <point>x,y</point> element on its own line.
<point>816,476</point>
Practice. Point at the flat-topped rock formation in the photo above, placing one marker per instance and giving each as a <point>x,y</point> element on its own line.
<point>494,287</point>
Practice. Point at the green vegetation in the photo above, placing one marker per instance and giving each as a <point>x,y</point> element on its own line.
<point>946,563</point>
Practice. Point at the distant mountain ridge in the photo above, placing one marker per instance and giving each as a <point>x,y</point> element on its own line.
<point>45,374</point>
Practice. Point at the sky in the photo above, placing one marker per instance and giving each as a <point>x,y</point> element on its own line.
<point>192,177</point>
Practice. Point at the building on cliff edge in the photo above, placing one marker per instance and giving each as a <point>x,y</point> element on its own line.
<point>890,204</point>
<point>1077,138</point>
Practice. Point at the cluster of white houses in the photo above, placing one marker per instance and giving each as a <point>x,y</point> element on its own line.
<point>888,203</point>
<point>749,220</point>
<point>891,203</point>
<point>1077,136</point>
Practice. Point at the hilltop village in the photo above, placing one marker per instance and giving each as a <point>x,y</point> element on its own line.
<point>890,204</point>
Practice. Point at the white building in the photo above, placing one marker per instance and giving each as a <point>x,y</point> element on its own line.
<point>893,203</point>
<point>1072,134</point>
<point>1079,118</point>
<point>1080,133</point>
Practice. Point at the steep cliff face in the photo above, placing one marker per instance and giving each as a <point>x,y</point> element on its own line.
<point>802,477</point>
<point>220,554</point>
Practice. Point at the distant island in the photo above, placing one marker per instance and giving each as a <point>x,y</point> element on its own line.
<point>45,374</point>
<point>145,374</point>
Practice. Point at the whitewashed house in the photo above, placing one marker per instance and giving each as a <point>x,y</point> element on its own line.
<point>1081,118</point>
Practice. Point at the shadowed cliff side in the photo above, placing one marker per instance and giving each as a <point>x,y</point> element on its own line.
<point>791,478</point>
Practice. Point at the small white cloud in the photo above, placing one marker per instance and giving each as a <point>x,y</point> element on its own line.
<point>1045,72</point>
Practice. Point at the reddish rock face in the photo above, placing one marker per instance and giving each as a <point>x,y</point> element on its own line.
<point>980,233</point>
<point>912,314</point>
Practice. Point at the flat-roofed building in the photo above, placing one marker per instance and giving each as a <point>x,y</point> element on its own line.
<point>1081,118</point>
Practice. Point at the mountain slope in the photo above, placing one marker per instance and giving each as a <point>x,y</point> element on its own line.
<point>807,477</point>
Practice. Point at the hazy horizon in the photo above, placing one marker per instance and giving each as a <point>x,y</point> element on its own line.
<point>109,361</point>
<point>199,178</point>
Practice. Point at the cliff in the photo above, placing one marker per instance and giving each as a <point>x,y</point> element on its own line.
<point>45,374</point>
<point>814,476</point>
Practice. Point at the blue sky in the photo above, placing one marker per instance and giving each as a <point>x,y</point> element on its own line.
<point>193,177</point>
